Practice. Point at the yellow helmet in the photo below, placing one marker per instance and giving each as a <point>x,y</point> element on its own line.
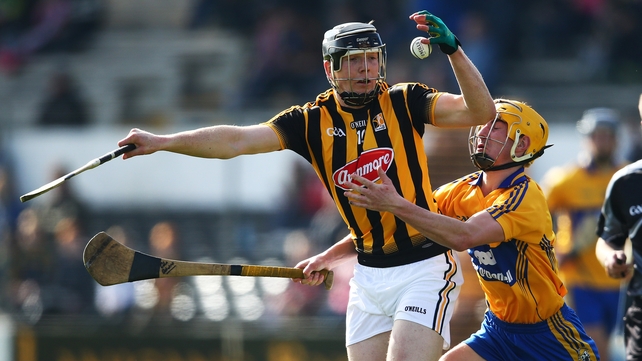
<point>521,120</point>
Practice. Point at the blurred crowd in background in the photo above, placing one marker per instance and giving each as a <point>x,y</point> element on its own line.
<point>285,35</point>
<point>41,246</point>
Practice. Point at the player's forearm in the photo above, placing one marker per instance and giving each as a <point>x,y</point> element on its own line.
<point>340,252</point>
<point>613,260</point>
<point>604,251</point>
<point>477,97</point>
<point>210,142</point>
<point>222,141</point>
<point>447,231</point>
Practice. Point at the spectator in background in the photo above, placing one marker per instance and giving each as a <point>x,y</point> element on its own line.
<point>14,21</point>
<point>326,226</point>
<point>305,196</point>
<point>574,195</point>
<point>60,203</point>
<point>287,42</point>
<point>72,284</point>
<point>10,205</point>
<point>226,14</point>
<point>547,19</point>
<point>63,104</point>
<point>298,299</point>
<point>482,48</point>
<point>164,243</point>
<point>45,22</point>
<point>30,268</point>
<point>36,26</point>
<point>626,42</point>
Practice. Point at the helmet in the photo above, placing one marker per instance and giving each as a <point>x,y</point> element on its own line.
<point>521,120</point>
<point>350,39</point>
<point>598,118</point>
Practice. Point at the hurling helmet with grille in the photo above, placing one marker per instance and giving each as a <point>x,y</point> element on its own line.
<point>521,120</point>
<point>351,39</point>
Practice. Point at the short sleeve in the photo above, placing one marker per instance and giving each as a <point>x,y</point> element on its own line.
<point>290,126</point>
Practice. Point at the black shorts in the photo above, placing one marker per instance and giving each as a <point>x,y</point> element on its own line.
<point>633,330</point>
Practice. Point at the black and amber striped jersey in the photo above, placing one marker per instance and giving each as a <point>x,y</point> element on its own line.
<point>385,133</point>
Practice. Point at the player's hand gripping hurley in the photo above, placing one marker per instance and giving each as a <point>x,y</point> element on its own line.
<point>90,165</point>
<point>110,262</point>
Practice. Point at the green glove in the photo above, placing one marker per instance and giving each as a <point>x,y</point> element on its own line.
<point>440,34</point>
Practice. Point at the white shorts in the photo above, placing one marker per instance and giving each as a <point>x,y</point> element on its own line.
<point>423,292</point>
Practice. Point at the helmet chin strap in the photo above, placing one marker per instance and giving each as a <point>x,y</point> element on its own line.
<point>486,163</point>
<point>359,99</point>
<point>482,161</point>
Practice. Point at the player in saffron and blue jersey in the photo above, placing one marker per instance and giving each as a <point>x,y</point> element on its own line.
<point>575,193</point>
<point>499,214</point>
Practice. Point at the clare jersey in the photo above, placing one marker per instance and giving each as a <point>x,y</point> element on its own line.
<point>385,133</point>
<point>519,275</point>
<point>575,195</point>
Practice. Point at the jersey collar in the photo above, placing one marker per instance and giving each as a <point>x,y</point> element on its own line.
<point>516,177</point>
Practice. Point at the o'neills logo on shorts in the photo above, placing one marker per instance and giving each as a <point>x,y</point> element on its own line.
<point>415,309</point>
<point>365,166</point>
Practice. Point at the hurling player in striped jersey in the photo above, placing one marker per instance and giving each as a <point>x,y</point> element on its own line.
<point>359,124</point>
<point>500,216</point>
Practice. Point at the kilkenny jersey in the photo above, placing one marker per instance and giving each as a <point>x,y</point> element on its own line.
<point>519,275</point>
<point>575,195</point>
<point>386,133</point>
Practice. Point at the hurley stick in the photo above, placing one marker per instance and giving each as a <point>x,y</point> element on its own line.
<point>110,262</point>
<point>90,165</point>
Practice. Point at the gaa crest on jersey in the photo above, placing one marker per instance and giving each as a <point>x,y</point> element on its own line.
<point>365,166</point>
<point>378,123</point>
<point>335,132</point>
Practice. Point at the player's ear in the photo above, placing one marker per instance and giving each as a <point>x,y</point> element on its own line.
<point>326,66</point>
<point>522,145</point>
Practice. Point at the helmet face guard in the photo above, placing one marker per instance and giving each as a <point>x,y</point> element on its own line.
<point>482,160</point>
<point>349,40</point>
<point>521,120</point>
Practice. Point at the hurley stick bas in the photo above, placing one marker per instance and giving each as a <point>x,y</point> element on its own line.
<point>110,262</point>
<point>90,165</point>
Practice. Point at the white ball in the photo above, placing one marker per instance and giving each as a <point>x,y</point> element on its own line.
<point>419,49</point>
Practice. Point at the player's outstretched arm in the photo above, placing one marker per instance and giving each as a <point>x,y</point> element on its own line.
<point>221,141</point>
